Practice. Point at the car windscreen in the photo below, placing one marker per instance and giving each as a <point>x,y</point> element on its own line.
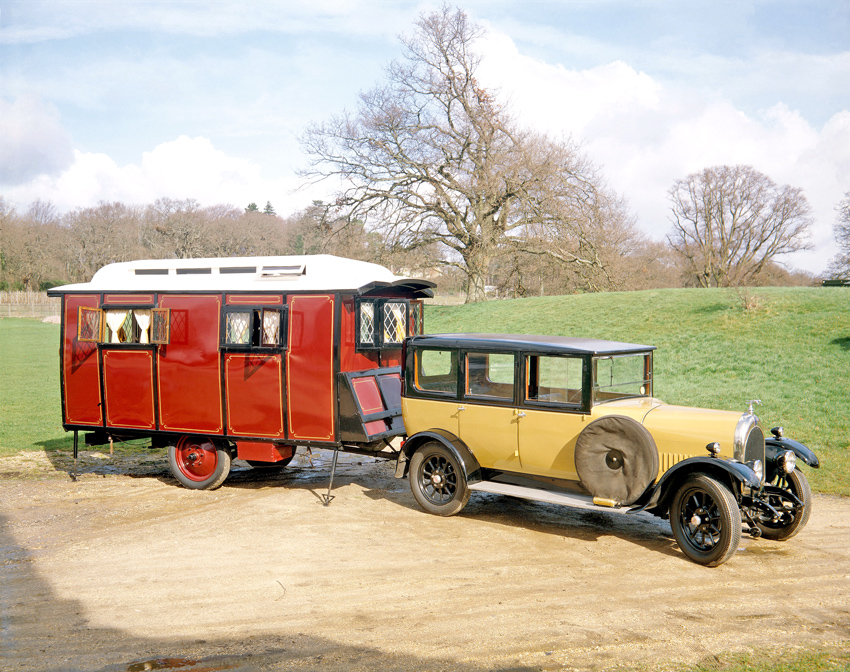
<point>621,376</point>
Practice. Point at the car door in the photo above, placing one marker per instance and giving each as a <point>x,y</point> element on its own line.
<point>551,415</point>
<point>432,402</point>
<point>488,414</point>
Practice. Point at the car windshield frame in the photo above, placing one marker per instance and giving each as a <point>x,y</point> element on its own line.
<point>622,382</point>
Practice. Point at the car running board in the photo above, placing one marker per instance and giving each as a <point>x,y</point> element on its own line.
<point>549,496</point>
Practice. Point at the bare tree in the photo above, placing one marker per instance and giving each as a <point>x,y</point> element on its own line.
<point>42,212</point>
<point>31,247</point>
<point>175,228</point>
<point>729,222</point>
<point>106,233</point>
<point>839,266</point>
<point>432,157</point>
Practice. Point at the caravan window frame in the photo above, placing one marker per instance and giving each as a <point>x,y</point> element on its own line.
<point>257,341</point>
<point>376,339</point>
<point>103,336</point>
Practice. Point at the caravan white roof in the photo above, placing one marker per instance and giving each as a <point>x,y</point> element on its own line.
<point>321,272</point>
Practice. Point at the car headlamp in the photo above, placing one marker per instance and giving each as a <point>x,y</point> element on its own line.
<point>787,461</point>
<point>758,468</point>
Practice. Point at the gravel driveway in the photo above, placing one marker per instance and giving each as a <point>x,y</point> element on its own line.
<point>125,570</point>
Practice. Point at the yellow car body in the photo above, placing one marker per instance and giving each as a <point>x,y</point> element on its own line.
<point>575,421</point>
<point>542,442</point>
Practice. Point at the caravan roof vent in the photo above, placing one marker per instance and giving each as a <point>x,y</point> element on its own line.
<point>283,272</point>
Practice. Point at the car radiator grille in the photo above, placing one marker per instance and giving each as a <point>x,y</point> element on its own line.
<point>754,450</point>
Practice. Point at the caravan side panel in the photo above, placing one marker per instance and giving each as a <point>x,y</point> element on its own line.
<point>311,389</point>
<point>128,388</point>
<point>80,368</point>
<point>189,380</point>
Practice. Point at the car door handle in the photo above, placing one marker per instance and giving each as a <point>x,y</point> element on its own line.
<point>520,414</point>
<point>461,408</point>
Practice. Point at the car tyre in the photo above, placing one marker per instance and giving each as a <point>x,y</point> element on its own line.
<point>199,463</point>
<point>793,521</point>
<point>616,458</point>
<point>706,520</point>
<point>437,480</point>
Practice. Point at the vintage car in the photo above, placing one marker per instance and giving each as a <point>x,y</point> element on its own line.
<point>574,421</point>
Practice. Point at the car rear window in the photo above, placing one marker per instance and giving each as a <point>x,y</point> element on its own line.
<point>436,371</point>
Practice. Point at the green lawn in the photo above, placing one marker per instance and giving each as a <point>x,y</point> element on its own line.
<point>30,408</point>
<point>792,351</point>
<point>832,660</point>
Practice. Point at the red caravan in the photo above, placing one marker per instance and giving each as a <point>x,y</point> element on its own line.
<point>237,357</point>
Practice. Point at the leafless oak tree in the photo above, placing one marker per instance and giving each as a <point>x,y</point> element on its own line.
<point>432,157</point>
<point>730,222</point>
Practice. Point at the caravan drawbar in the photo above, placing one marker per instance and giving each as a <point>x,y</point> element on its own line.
<point>241,357</point>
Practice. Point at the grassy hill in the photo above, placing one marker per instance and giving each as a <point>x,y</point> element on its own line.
<point>790,348</point>
<point>717,348</point>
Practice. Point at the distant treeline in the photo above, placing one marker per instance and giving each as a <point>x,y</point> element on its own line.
<point>40,248</point>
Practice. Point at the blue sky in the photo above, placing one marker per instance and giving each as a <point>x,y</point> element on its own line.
<point>134,100</point>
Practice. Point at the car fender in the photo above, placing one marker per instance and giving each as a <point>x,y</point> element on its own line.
<point>726,471</point>
<point>468,463</point>
<point>772,447</point>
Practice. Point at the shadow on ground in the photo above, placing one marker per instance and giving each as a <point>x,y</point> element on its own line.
<point>312,472</point>
<point>40,631</point>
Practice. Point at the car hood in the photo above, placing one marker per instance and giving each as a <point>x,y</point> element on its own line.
<point>686,430</point>
<point>682,431</point>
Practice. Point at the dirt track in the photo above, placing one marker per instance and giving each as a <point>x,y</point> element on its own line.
<point>128,571</point>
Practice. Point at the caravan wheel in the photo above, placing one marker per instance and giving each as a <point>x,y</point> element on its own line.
<point>198,463</point>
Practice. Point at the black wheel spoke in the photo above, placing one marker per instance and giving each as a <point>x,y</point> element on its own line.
<point>705,520</point>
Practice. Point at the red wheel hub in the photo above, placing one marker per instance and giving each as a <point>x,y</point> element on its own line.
<point>196,459</point>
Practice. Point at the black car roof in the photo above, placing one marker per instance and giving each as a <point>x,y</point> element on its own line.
<point>549,344</point>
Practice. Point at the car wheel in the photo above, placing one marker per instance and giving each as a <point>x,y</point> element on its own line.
<point>437,480</point>
<point>793,519</point>
<point>706,521</point>
<point>198,463</point>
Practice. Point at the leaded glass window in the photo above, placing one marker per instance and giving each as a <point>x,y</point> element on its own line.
<point>238,328</point>
<point>416,324</point>
<point>89,324</point>
<point>255,328</point>
<point>385,323</point>
<point>395,322</point>
<point>271,327</point>
<point>366,334</point>
<point>161,326</point>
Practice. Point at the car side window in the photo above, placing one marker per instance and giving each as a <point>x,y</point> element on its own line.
<point>436,371</point>
<point>553,380</point>
<point>490,374</point>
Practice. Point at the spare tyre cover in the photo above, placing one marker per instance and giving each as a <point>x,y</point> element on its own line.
<point>616,458</point>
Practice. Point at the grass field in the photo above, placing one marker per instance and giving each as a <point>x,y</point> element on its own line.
<point>837,660</point>
<point>790,348</point>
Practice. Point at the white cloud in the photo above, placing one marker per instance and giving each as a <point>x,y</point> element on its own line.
<point>33,21</point>
<point>183,168</point>
<point>646,135</point>
<point>32,140</point>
